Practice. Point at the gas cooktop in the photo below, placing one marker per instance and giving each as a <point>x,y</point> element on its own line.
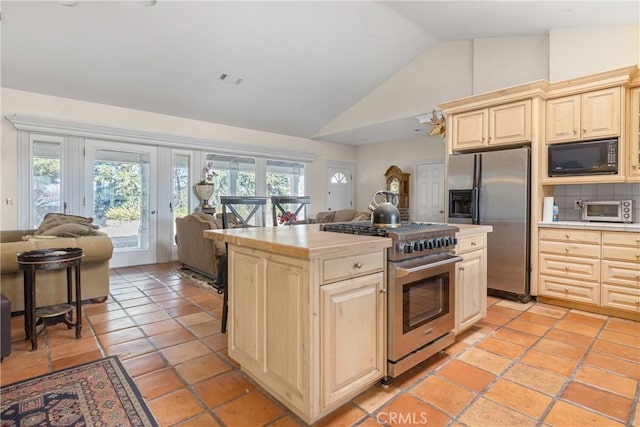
<point>365,228</point>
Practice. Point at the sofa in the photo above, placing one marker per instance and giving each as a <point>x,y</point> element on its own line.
<point>51,285</point>
<point>194,251</point>
<point>342,215</point>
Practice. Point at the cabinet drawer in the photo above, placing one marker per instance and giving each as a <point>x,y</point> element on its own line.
<point>570,267</point>
<point>621,273</point>
<point>351,266</point>
<point>570,290</point>
<point>569,235</point>
<point>470,243</point>
<point>569,249</point>
<point>622,298</point>
<point>621,239</point>
<point>621,253</point>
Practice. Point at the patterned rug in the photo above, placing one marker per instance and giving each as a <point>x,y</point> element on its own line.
<point>196,278</point>
<point>98,393</point>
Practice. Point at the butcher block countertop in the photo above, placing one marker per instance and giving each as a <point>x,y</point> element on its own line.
<point>300,241</point>
<point>469,229</point>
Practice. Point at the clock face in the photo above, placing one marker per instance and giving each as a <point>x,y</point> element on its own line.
<point>394,185</point>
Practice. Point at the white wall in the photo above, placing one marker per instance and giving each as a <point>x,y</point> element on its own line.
<point>442,73</point>
<point>500,62</point>
<point>373,160</point>
<point>29,103</point>
<point>576,52</point>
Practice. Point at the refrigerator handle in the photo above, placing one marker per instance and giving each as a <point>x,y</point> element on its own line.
<point>475,208</point>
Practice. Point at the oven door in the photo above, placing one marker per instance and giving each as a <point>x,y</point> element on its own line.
<point>421,302</point>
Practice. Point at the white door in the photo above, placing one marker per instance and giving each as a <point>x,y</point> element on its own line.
<point>122,198</point>
<point>339,186</point>
<point>429,192</point>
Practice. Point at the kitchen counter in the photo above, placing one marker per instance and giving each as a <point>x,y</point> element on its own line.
<point>299,241</point>
<point>470,229</point>
<point>603,226</point>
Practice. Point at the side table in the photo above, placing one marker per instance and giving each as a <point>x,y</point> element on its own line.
<point>50,259</point>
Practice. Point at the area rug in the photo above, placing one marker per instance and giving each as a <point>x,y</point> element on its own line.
<point>197,279</point>
<point>98,393</point>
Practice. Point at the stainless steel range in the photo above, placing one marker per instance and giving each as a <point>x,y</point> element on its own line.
<point>421,283</point>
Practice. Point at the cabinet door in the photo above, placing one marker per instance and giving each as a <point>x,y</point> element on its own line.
<point>601,113</point>
<point>246,313</point>
<point>563,119</point>
<point>470,130</point>
<point>634,137</point>
<point>471,287</point>
<point>352,319</point>
<point>510,123</point>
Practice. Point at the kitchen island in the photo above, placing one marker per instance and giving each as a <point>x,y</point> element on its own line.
<point>307,313</point>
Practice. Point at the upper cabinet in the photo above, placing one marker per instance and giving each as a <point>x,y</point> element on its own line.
<point>634,136</point>
<point>589,115</point>
<point>500,125</point>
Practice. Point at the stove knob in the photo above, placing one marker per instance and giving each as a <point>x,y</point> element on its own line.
<point>408,248</point>
<point>432,243</point>
<point>417,245</point>
<point>454,240</point>
<point>438,242</point>
<point>425,244</point>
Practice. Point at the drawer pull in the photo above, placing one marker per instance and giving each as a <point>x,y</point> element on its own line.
<point>566,290</point>
<point>638,239</point>
<point>461,268</point>
<point>566,249</point>
<point>473,243</point>
<point>357,265</point>
<point>567,236</point>
<point>637,276</point>
<point>383,291</point>
<point>566,268</point>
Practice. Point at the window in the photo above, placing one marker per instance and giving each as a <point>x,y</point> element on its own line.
<point>46,191</point>
<point>181,190</point>
<point>338,178</point>
<point>235,176</point>
<point>285,178</point>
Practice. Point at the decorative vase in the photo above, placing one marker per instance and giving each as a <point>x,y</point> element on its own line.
<point>204,192</point>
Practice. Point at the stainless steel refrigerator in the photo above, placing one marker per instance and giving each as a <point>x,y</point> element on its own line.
<point>493,188</point>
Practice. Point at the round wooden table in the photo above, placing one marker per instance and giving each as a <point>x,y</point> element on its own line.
<point>50,259</point>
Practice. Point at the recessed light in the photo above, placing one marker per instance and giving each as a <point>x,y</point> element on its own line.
<point>230,78</point>
<point>417,130</point>
<point>68,3</point>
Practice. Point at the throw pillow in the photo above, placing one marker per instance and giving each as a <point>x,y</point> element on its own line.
<point>55,219</point>
<point>71,230</point>
<point>363,216</point>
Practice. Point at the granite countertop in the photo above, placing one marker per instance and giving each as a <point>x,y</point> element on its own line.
<point>605,226</point>
<point>300,241</point>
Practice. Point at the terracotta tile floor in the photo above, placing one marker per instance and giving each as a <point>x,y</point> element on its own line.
<point>525,364</point>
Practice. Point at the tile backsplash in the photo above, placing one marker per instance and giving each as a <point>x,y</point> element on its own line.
<point>566,195</point>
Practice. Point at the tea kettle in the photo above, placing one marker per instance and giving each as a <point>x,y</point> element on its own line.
<point>385,214</point>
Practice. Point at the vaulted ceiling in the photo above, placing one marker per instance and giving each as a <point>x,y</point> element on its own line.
<point>302,63</point>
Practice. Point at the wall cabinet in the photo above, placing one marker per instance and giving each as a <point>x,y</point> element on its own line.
<point>312,332</point>
<point>500,125</point>
<point>633,170</point>
<point>589,115</point>
<point>598,268</point>
<point>471,281</point>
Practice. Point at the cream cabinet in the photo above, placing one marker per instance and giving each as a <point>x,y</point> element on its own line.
<point>589,115</point>
<point>311,332</point>
<point>500,125</point>
<point>569,264</point>
<point>471,281</point>
<point>633,170</point>
<point>598,268</point>
<point>621,270</point>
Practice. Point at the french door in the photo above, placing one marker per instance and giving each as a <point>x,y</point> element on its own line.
<point>122,198</point>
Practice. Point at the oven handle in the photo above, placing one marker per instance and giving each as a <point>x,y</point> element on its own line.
<point>401,272</point>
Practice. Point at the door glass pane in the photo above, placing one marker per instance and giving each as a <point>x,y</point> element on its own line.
<point>121,197</point>
<point>46,193</point>
<point>180,202</point>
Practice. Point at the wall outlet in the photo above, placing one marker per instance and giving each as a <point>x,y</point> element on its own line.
<point>577,204</point>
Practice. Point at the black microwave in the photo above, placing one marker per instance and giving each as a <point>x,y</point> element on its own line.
<point>584,158</point>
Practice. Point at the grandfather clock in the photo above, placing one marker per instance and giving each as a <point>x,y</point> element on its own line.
<point>398,182</point>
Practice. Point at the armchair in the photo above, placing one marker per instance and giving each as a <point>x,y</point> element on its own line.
<point>194,251</point>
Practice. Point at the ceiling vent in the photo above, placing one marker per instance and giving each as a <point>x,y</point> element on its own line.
<point>230,78</point>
